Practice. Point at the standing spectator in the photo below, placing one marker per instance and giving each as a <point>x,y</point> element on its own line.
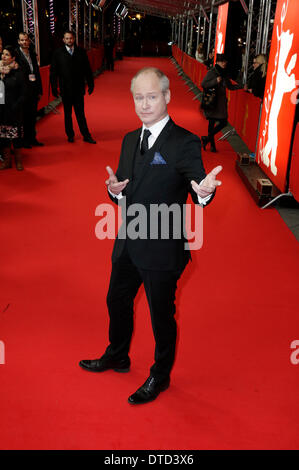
<point>26,57</point>
<point>217,77</point>
<point>209,62</point>
<point>109,51</point>
<point>199,54</point>
<point>257,82</point>
<point>12,85</point>
<point>70,69</point>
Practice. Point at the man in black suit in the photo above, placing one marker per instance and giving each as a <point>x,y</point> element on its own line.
<point>109,51</point>
<point>70,69</point>
<point>159,164</point>
<point>26,57</point>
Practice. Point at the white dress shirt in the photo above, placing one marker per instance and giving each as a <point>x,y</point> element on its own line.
<point>70,49</point>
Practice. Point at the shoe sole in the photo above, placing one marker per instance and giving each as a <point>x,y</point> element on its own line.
<point>123,371</point>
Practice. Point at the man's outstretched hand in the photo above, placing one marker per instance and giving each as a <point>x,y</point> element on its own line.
<point>209,184</point>
<point>115,186</point>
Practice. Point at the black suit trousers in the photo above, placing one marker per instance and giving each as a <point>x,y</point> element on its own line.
<point>76,102</point>
<point>29,118</point>
<point>160,288</point>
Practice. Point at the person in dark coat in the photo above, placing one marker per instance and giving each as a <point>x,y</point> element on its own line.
<point>218,115</point>
<point>209,62</point>
<point>26,58</point>
<point>256,83</point>
<point>109,51</point>
<point>70,70</point>
<point>12,94</point>
<point>160,164</point>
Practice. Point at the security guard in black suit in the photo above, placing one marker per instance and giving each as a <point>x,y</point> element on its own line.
<point>70,69</point>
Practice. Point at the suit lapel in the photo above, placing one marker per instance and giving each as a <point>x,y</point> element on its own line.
<point>131,149</point>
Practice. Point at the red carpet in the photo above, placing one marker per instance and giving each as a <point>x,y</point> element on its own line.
<point>233,384</point>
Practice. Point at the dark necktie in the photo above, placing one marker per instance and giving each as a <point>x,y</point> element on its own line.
<point>144,142</point>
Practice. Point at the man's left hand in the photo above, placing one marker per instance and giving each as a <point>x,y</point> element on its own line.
<point>209,184</point>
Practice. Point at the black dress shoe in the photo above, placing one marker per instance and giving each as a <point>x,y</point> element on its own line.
<point>105,363</point>
<point>148,391</point>
<point>36,143</point>
<point>204,141</point>
<point>89,140</point>
<point>26,145</point>
<point>213,149</point>
<point>71,140</point>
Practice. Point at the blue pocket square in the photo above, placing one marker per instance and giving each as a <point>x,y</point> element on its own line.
<point>158,159</point>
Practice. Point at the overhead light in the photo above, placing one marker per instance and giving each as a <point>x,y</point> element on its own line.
<point>96,4</point>
<point>121,11</point>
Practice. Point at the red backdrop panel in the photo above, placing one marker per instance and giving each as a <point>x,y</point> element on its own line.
<point>279,101</point>
<point>221,29</point>
<point>294,174</point>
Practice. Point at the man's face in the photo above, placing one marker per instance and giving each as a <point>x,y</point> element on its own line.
<point>24,41</point>
<point>222,64</point>
<point>150,102</point>
<point>68,39</point>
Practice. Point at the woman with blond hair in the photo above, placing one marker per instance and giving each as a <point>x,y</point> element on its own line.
<point>199,54</point>
<point>257,82</point>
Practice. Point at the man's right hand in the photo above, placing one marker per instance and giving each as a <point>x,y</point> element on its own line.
<point>115,186</point>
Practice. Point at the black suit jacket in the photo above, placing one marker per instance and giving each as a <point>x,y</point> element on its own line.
<point>157,184</point>
<point>11,110</point>
<point>71,72</point>
<point>34,88</point>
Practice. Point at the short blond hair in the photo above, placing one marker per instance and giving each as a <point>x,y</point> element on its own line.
<point>164,80</point>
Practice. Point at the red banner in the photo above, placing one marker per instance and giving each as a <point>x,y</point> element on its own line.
<point>280,94</point>
<point>221,29</point>
<point>294,173</point>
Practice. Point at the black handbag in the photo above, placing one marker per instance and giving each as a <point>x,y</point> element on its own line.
<point>209,99</point>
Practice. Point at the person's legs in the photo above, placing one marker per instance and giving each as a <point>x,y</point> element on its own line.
<point>125,281</point>
<point>160,288</point>
<point>80,116</point>
<point>68,121</point>
<point>216,126</point>
<point>209,138</point>
<point>6,155</point>
<point>29,117</point>
<point>17,145</point>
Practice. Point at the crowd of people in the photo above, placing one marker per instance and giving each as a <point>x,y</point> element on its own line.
<point>21,89</point>
<point>217,78</point>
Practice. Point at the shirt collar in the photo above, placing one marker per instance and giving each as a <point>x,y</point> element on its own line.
<point>157,128</point>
